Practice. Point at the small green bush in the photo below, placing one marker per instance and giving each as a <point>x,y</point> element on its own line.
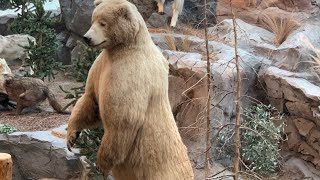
<point>89,142</point>
<point>7,129</point>
<point>261,132</point>
<point>83,64</point>
<point>39,24</point>
<point>261,138</point>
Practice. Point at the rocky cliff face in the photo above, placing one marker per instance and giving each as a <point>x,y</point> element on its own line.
<point>276,74</point>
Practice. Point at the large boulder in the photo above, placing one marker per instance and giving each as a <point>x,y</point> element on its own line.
<point>11,46</point>
<point>145,7</point>
<point>224,76</point>
<point>192,61</point>
<point>5,21</point>
<point>223,73</point>
<point>77,15</point>
<point>292,5</point>
<point>222,68</point>
<point>292,54</point>
<point>291,92</point>
<point>40,155</point>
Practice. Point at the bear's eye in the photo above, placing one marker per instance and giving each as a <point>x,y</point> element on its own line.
<point>102,23</point>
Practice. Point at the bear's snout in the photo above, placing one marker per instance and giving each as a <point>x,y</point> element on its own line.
<point>87,39</point>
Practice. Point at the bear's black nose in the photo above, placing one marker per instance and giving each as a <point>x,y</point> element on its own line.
<point>87,40</point>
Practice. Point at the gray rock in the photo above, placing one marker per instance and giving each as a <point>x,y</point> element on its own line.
<point>307,169</point>
<point>4,24</point>
<point>63,54</point>
<point>193,12</point>
<point>223,71</point>
<point>224,76</point>
<point>299,96</point>
<point>304,126</point>
<point>63,36</point>
<point>78,51</point>
<point>40,155</point>
<point>292,54</point>
<point>77,15</point>
<point>145,7</point>
<point>192,61</point>
<point>250,38</point>
<point>158,21</point>
<point>72,41</point>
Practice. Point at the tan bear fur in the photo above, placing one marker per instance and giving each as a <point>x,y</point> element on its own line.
<point>127,88</point>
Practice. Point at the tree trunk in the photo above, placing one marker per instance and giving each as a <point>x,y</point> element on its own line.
<point>5,166</point>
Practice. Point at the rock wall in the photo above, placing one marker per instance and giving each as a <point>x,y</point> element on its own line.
<point>291,93</point>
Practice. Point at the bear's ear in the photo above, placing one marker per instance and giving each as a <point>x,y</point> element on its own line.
<point>123,12</point>
<point>97,2</point>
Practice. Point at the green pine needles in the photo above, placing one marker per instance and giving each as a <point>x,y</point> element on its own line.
<point>39,24</point>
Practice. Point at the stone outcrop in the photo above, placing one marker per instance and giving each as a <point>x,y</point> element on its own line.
<point>303,136</point>
<point>187,92</point>
<point>77,15</point>
<point>292,54</point>
<point>40,155</point>
<point>292,93</point>
<point>192,61</point>
<point>293,5</point>
<point>223,74</point>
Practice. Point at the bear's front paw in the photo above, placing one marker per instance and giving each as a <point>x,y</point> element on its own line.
<point>72,136</point>
<point>103,165</point>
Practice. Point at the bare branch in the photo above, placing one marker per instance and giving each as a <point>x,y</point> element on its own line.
<point>238,96</point>
<point>208,144</point>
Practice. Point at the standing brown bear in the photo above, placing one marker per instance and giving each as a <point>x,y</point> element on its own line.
<point>127,89</point>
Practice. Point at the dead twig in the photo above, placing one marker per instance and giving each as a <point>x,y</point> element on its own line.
<point>208,144</point>
<point>238,95</point>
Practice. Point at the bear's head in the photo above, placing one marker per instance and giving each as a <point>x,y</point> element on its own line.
<point>114,23</point>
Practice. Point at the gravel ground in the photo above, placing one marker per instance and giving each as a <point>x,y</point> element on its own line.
<point>33,121</point>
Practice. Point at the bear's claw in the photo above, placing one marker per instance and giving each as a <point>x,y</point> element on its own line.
<point>72,139</point>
